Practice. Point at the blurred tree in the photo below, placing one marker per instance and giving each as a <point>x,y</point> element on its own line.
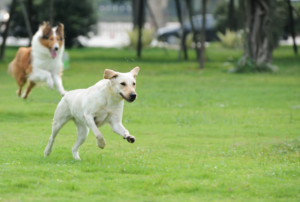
<point>231,23</point>
<point>11,13</point>
<point>179,9</point>
<point>198,38</point>
<point>195,38</point>
<point>290,8</point>
<point>228,16</point>
<point>203,36</point>
<point>141,20</point>
<point>263,25</point>
<point>78,16</point>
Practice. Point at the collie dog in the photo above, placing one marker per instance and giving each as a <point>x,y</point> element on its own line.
<point>42,62</point>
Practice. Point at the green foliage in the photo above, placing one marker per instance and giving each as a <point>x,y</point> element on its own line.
<point>79,18</point>
<point>221,14</point>
<point>189,40</point>
<point>231,39</point>
<point>279,16</point>
<point>147,37</point>
<point>201,135</point>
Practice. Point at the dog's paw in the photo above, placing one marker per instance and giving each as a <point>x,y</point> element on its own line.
<point>18,93</point>
<point>101,142</point>
<point>47,153</point>
<point>63,93</point>
<point>24,96</point>
<point>130,139</point>
<point>50,84</point>
<point>76,156</point>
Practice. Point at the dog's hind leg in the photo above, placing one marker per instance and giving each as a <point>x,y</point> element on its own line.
<point>28,89</point>
<point>19,91</point>
<point>82,133</point>
<point>61,116</point>
<point>21,80</point>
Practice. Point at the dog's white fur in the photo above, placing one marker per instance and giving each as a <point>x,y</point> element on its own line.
<point>95,106</point>
<point>44,67</point>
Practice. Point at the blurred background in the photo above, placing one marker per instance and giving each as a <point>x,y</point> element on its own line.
<point>175,24</point>
<point>111,23</point>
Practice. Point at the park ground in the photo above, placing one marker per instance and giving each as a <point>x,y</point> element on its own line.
<point>201,135</point>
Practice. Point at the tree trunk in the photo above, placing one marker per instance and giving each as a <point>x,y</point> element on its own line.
<point>29,4</point>
<point>51,12</point>
<point>26,18</point>
<point>11,13</point>
<point>195,38</point>
<point>152,15</point>
<point>292,25</point>
<point>203,36</point>
<point>135,9</point>
<point>258,47</point>
<point>182,34</point>
<point>141,12</point>
<point>158,9</point>
<point>230,21</point>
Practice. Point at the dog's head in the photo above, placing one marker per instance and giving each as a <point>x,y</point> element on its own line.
<point>52,38</point>
<point>123,84</point>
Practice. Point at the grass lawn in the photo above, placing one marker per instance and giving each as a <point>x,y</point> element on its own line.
<point>201,135</point>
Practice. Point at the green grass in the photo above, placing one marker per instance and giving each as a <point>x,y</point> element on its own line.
<point>201,135</point>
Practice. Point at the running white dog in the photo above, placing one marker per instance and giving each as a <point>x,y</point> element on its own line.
<point>95,106</point>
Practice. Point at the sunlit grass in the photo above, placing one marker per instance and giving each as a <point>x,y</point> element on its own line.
<point>201,135</point>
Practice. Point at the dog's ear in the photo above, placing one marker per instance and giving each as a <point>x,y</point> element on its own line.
<point>47,30</point>
<point>135,71</point>
<point>60,30</point>
<point>110,74</point>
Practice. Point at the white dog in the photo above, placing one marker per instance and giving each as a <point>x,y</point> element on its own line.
<point>95,106</point>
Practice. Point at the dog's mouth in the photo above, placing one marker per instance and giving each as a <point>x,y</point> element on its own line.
<point>53,53</point>
<point>128,100</point>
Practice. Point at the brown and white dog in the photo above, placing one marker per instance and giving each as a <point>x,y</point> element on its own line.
<point>42,62</point>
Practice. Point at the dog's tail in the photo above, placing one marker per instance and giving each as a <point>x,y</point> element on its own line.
<point>10,68</point>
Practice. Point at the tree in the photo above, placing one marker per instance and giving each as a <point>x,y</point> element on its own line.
<point>182,34</point>
<point>228,16</point>
<point>141,15</point>
<point>203,36</point>
<point>230,19</point>
<point>198,37</point>
<point>261,39</point>
<point>11,13</point>
<point>79,18</point>
<point>195,38</point>
<point>290,8</point>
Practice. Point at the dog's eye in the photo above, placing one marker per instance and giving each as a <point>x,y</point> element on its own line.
<point>134,84</point>
<point>123,84</point>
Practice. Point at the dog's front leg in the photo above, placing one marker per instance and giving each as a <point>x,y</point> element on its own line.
<point>91,124</point>
<point>58,84</point>
<point>41,75</point>
<point>121,130</point>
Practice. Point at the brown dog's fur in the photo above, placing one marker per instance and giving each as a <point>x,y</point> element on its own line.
<point>48,39</point>
<point>20,67</point>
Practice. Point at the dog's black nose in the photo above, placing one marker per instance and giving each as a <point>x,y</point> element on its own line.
<point>132,96</point>
<point>55,48</point>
